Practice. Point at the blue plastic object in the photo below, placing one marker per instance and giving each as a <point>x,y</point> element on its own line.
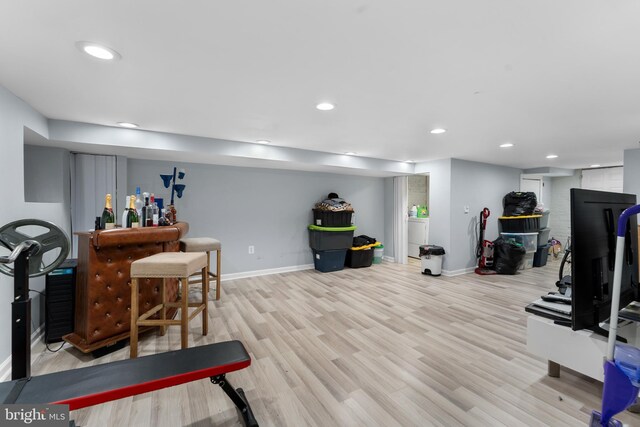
<point>624,217</point>
<point>618,392</point>
<point>166,180</point>
<point>597,422</point>
<point>627,358</point>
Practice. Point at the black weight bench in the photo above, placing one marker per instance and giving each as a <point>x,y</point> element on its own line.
<point>93,385</point>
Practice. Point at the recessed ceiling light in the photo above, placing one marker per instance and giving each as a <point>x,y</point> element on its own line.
<point>552,156</point>
<point>127,125</point>
<point>507,145</point>
<point>98,51</point>
<point>350,153</point>
<point>263,141</point>
<point>594,166</point>
<point>325,106</point>
<point>437,131</point>
<point>408,161</point>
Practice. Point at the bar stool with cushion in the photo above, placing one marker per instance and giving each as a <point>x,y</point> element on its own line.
<point>167,265</point>
<point>205,244</point>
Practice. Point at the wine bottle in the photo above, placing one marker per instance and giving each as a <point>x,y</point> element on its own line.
<point>148,213</point>
<point>155,211</point>
<point>139,202</point>
<point>125,213</point>
<point>108,220</point>
<point>132,216</point>
<point>143,215</point>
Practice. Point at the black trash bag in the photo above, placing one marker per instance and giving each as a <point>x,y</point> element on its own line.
<point>507,257</point>
<point>363,240</point>
<point>519,203</point>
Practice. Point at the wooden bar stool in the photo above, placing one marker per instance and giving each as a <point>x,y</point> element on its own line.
<point>205,244</point>
<point>167,265</point>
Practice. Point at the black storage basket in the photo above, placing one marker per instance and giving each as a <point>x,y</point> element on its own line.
<point>514,224</point>
<point>541,256</point>
<point>328,261</point>
<point>358,259</point>
<point>331,240</point>
<point>323,218</point>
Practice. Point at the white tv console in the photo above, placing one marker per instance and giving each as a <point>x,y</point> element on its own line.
<point>582,351</point>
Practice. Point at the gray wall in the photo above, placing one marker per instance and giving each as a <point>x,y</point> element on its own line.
<point>46,178</point>
<point>267,208</point>
<point>631,181</point>
<point>476,185</point>
<point>439,204</point>
<point>560,216</point>
<point>15,115</point>
<point>547,190</point>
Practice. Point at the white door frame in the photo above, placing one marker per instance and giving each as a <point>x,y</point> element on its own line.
<point>532,179</point>
<point>400,218</point>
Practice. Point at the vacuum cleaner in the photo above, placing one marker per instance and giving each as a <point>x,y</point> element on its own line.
<point>484,249</point>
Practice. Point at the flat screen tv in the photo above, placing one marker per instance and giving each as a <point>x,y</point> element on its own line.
<point>594,222</point>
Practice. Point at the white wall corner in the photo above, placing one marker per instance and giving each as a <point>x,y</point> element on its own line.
<point>255,273</point>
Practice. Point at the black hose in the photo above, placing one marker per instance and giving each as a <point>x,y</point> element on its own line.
<point>565,260</point>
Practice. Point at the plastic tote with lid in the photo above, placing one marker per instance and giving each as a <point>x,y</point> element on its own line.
<point>378,252</point>
<point>431,259</point>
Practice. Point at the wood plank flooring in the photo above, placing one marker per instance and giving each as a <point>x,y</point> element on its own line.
<point>379,346</point>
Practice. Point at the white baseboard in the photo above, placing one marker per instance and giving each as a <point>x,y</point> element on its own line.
<point>388,258</point>
<point>451,273</point>
<point>254,273</point>
<point>37,344</point>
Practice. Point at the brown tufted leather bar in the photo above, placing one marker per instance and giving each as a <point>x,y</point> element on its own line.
<point>103,295</point>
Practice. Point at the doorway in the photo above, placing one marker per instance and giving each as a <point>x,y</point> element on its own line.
<point>418,218</point>
<point>532,185</point>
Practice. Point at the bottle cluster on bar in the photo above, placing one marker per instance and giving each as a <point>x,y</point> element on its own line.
<point>140,211</point>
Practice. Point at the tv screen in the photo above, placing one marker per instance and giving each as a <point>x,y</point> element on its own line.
<point>594,222</point>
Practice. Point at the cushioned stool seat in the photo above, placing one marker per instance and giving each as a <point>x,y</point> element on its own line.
<point>205,244</point>
<point>166,265</point>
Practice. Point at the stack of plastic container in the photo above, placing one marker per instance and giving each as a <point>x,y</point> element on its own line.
<point>522,230</point>
<point>329,245</point>
<point>542,252</point>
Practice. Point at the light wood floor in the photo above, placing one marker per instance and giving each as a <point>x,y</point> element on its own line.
<point>379,346</point>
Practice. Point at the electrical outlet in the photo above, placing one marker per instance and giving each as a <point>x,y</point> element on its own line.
<point>252,249</point>
<point>466,209</point>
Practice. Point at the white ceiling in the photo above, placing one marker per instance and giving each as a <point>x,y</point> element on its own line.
<point>550,76</point>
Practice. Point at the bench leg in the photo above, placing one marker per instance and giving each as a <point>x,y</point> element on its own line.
<point>205,300</point>
<point>163,312</point>
<point>184,315</point>
<point>238,398</point>
<point>553,369</point>
<point>218,255</point>
<point>133,340</point>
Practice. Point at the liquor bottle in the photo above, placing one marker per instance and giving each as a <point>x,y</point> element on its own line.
<point>143,214</point>
<point>155,211</point>
<point>108,220</point>
<point>132,215</point>
<point>125,213</point>
<point>148,213</point>
<point>139,202</point>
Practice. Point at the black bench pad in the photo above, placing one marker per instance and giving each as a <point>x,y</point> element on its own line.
<point>93,385</point>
